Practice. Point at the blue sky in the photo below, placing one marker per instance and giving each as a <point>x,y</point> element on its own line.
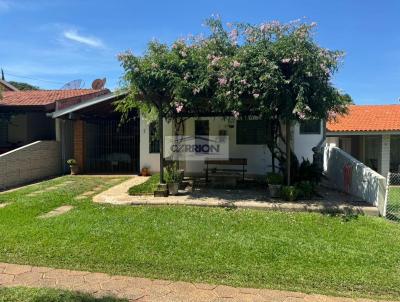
<point>51,42</point>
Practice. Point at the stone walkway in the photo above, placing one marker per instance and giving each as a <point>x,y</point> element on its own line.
<point>331,201</point>
<point>57,211</point>
<point>141,289</point>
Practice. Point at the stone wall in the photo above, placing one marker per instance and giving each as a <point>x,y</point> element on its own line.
<point>363,183</point>
<point>35,161</point>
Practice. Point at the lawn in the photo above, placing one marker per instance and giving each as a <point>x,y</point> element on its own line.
<point>393,203</point>
<point>20,294</point>
<point>307,252</point>
<point>148,187</point>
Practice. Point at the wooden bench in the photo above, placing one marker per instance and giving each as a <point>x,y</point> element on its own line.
<point>230,162</point>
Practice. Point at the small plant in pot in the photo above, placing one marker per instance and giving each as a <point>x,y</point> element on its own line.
<point>173,177</point>
<point>73,166</point>
<point>289,193</point>
<point>274,181</point>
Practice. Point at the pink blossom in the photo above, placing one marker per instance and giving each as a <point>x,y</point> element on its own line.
<point>183,53</point>
<point>256,95</point>
<point>234,35</point>
<point>235,114</point>
<point>228,93</point>
<point>187,76</point>
<point>313,24</point>
<point>178,107</point>
<point>307,108</point>
<point>196,90</point>
<point>264,27</point>
<point>215,60</point>
<point>286,60</point>
<point>222,81</point>
<point>243,81</point>
<point>236,64</point>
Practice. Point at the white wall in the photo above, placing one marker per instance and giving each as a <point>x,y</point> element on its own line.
<point>365,183</point>
<point>29,163</point>
<point>258,156</point>
<point>303,143</point>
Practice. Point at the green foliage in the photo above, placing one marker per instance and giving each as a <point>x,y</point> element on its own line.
<point>308,171</point>
<point>172,173</point>
<point>274,178</point>
<point>306,189</point>
<point>147,187</point>
<point>23,86</point>
<point>71,162</point>
<point>289,193</point>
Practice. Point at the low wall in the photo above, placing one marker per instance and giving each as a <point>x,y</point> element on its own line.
<point>35,161</point>
<point>363,182</point>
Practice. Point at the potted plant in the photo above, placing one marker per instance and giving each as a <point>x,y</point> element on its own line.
<point>73,166</point>
<point>274,181</point>
<point>145,171</point>
<point>289,193</point>
<point>173,177</point>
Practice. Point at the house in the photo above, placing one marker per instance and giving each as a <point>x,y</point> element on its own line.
<point>23,116</point>
<point>371,134</point>
<point>92,134</point>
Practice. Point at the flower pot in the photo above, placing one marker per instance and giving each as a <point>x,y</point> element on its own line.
<point>145,172</point>
<point>275,191</point>
<point>74,169</point>
<point>173,188</point>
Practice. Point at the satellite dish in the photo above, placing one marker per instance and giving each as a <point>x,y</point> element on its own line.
<point>73,85</point>
<point>98,84</point>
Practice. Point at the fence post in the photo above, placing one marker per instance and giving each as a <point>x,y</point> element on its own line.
<point>386,194</point>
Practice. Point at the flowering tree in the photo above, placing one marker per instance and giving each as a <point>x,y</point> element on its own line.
<point>273,71</point>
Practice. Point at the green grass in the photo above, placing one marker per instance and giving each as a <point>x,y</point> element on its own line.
<point>21,294</point>
<point>307,252</point>
<point>148,187</point>
<point>393,203</point>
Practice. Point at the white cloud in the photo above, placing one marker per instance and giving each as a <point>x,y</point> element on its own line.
<point>73,35</point>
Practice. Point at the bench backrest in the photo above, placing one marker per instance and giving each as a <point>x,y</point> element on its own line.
<point>231,161</point>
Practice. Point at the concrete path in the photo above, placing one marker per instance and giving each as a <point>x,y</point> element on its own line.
<point>141,289</point>
<point>331,202</point>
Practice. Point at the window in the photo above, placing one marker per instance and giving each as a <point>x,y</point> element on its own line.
<point>154,139</point>
<point>201,128</point>
<point>252,132</point>
<point>310,127</point>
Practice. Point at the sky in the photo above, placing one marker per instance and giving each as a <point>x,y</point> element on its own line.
<point>50,42</point>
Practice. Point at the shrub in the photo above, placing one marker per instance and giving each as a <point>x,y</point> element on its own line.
<point>309,172</point>
<point>306,189</point>
<point>274,178</point>
<point>289,193</point>
<point>172,173</point>
<point>71,162</point>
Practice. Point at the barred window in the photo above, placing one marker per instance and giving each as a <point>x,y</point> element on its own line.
<point>154,138</point>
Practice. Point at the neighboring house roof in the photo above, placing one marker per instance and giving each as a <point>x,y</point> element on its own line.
<point>88,103</point>
<point>367,118</point>
<point>46,98</point>
<point>7,86</point>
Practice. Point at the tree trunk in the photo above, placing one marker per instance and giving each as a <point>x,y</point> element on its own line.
<point>288,152</point>
<point>161,139</point>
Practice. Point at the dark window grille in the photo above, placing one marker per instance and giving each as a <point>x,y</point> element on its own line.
<point>252,132</point>
<point>310,127</point>
<point>154,138</point>
<point>3,132</point>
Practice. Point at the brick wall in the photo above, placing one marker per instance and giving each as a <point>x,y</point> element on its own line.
<point>35,161</point>
<point>79,144</point>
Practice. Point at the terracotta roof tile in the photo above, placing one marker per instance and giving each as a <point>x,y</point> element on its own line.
<point>368,118</point>
<point>44,97</point>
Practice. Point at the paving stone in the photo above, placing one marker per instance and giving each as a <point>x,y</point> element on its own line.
<point>16,269</point>
<point>56,212</point>
<point>224,291</point>
<point>29,278</point>
<point>4,204</point>
<point>6,279</point>
<point>96,278</point>
<point>80,197</point>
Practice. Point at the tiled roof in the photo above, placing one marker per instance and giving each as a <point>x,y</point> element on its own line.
<point>45,97</point>
<point>367,118</point>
